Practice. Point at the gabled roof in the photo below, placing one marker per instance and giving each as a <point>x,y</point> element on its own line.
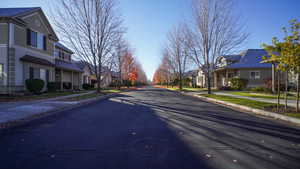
<point>17,14</point>
<point>251,58</point>
<point>232,57</point>
<point>191,73</point>
<point>12,12</point>
<point>63,47</point>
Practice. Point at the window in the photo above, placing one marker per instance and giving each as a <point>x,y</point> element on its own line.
<point>255,75</point>
<point>37,40</point>
<point>1,74</point>
<point>61,54</point>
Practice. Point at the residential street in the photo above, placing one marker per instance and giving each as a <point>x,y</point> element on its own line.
<point>151,129</point>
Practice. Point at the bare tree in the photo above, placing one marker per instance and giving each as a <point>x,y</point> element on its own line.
<point>91,28</point>
<point>216,31</point>
<point>120,50</point>
<point>178,53</point>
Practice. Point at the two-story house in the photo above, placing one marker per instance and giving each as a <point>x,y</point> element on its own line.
<point>29,49</point>
<point>67,72</point>
<point>247,65</point>
<point>26,48</point>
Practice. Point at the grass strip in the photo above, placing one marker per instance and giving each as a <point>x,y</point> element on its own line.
<point>260,95</point>
<point>248,103</point>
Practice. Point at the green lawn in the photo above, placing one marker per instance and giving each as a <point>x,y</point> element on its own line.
<point>37,97</point>
<point>112,90</point>
<point>259,95</point>
<point>187,89</point>
<point>244,102</point>
<point>247,102</point>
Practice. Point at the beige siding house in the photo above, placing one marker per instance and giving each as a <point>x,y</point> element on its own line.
<point>29,49</point>
<point>247,66</point>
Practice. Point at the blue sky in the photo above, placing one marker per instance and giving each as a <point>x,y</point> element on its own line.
<point>149,21</point>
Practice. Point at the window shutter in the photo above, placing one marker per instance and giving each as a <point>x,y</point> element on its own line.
<point>31,73</point>
<point>28,37</point>
<point>45,42</point>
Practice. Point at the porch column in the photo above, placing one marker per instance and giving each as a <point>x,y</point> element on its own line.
<point>61,80</point>
<point>72,80</point>
<point>226,81</point>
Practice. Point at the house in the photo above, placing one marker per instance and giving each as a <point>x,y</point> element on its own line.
<point>87,72</point>
<point>29,49</point>
<point>67,72</point>
<point>201,79</point>
<point>247,65</point>
<point>26,48</point>
<point>190,78</point>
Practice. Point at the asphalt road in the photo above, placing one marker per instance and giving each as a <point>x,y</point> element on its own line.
<point>151,129</point>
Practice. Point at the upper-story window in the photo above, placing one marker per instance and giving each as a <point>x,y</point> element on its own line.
<point>61,54</point>
<point>36,39</point>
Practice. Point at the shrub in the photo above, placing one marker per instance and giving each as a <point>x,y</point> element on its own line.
<point>87,86</point>
<point>261,89</point>
<point>67,85</point>
<point>35,85</point>
<point>238,83</point>
<point>53,86</point>
<point>225,88</point>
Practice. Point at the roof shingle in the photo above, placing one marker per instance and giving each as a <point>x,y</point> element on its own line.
<point>252,58</point>
<point>11,12</point>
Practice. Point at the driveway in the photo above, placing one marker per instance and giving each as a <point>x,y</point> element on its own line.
<point>151,129</point>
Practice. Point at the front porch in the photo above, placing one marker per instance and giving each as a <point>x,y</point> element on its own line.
<point>222,77</point>
<point>68,80</point>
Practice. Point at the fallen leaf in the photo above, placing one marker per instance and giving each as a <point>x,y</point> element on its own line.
<point>208,155</point>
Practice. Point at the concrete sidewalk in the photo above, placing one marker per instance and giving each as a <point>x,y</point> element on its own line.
<point>11,112</point>
<point>291,103</point>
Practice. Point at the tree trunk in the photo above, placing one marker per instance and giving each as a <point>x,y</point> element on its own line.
<point>180,82</point>
<point>208,82</point>
<point>298,91</point>
<point>98,83</point>
<point>278,90</point>
<point>286,89</point>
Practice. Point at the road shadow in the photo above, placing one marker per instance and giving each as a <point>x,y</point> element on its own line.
<point>111,134</point>
<point>254,141</point>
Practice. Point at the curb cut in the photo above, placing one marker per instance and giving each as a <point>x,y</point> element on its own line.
<point>248,109</point>
<point>15,123</point>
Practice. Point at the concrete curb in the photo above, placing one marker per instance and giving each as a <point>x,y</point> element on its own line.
<point>19,122</point>
<point>249,109</point>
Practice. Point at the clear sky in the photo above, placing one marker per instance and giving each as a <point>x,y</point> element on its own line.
<point>149,21</point>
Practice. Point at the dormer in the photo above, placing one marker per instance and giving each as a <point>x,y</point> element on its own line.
<point>227,60</point>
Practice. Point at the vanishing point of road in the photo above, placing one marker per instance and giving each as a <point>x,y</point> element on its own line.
<point>151,129</point>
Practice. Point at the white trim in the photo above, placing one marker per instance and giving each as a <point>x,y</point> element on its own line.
<point>35,52</point>
<point>11,34</point>
<point>255,77</point>
<point>37,13</point>
<point>3,23</point>
<point>3,45</point>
